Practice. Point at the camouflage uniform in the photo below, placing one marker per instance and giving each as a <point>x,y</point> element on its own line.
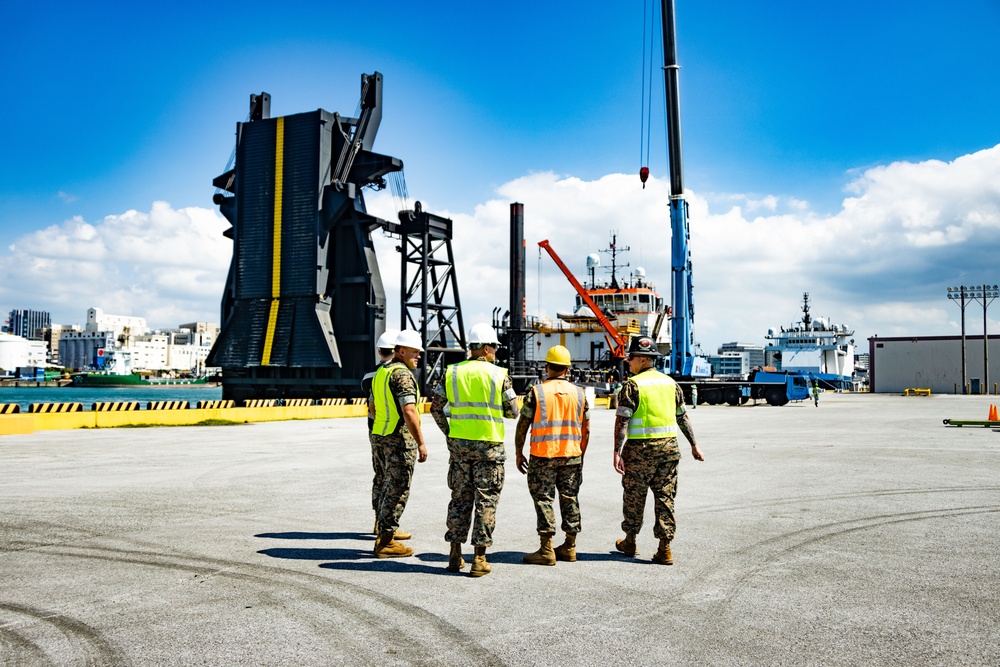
<point>398,453</point>
<point>378,462</point>
<point>546,475</point>
<point>649,465</point>
<point>475,474</point>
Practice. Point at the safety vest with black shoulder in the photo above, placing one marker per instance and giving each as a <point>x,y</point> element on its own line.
<point>474,389</point>
<point>557,429</point>
<point>388,416</point>
<point>656,415</point>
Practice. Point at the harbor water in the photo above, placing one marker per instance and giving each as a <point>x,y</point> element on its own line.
<point>24,396</point>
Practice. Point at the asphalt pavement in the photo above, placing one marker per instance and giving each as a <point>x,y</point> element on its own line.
<point>861,532</point>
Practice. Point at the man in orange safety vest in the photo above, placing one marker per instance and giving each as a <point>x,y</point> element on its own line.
<point>557,414</point>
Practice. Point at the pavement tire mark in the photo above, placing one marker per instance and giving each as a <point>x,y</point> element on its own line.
<point>373,611</point>
<point>773,551</point>
<point>85,641</point>
<point>792,500</point>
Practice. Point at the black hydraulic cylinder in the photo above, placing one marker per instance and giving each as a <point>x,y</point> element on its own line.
<point>518,306</point>
<point>673,102</point>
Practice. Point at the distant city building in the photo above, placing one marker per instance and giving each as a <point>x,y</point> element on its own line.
<point>730,365</point>
<point>52,335</point>
<point>28,323</point>
<point>177,350</point>
<point>79,350</point>
<point>861,361</point>
<point>754,353</point>
<point>772,357</point>
<point>97,320</point>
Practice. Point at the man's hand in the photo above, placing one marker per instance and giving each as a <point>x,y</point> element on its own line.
<point>522,463</point>
<point>696,453</point>
<point>619,464</point>
<point>421,453</point>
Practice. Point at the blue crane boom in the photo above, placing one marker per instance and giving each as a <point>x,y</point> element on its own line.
<point>683,363</point>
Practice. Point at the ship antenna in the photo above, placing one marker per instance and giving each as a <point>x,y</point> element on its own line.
<point>806,318</point>
<point>613,251</point>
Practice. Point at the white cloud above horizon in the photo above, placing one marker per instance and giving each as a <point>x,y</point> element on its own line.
<point>880,264</point>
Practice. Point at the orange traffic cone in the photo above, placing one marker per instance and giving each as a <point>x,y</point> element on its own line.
<point>993,414</point>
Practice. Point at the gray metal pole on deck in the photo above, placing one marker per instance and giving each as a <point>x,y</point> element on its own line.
<point>987,293</point>
<point>965,374</point>
<point>958,294</point>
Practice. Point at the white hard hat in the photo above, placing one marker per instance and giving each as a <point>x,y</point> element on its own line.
<point>409,338</point>
<point>483,334</point>
<point>387,340</point>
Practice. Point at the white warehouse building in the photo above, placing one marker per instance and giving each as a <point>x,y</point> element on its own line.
<point>17,352</point>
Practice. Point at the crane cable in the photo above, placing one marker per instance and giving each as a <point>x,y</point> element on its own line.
<point>646,104</point>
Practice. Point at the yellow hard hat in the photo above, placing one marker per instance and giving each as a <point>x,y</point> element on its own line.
<point>559,356</point>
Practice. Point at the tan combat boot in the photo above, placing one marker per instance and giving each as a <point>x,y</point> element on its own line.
<point>627,545</point>
<point>386,547</point>
<point>479,565</point>
<point>545,555</point>
<point>399,535</point>
<point>567,550</point>
<point>455,560</point>
<point>663,555</point>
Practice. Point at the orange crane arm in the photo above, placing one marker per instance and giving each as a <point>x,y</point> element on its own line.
<point>618,350</point>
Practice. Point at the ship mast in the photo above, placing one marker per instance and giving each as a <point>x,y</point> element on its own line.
<point>613,251</point>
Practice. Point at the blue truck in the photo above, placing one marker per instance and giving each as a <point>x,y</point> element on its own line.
<point>775,387</point>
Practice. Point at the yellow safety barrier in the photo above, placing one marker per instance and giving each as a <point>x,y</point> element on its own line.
<point>360,401</point>
<point>9,409</point>
<point>167,405</point>
<point>37,408</point>
<point>298,402</point>
<point>258,403</point>
<point>119,406</point>
<point>215,405</point>
<point>332,401</point>
<point>917,391</point>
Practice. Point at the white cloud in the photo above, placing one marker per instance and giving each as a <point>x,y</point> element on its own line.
<point>166,265</point>
<point>880,264</point>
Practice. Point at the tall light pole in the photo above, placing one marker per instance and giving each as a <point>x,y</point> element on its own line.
<point>985,294</point>
<point>959,294</point>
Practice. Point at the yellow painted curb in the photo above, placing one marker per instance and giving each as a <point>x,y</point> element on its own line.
<point>29,423</point>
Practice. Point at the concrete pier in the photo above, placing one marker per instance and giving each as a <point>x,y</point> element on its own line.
<point>862,532</point>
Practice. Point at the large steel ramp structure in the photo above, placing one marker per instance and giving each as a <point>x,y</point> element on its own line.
<point>304,300</point>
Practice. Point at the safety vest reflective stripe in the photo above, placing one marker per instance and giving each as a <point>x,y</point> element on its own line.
<point>557,429</point>
<point>656,414</point>
<point>474,389</point>
<point>387,415</point>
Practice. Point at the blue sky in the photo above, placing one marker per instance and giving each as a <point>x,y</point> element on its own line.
<point>789,109</point>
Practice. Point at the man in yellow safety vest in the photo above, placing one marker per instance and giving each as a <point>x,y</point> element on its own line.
<point>396,438</point>
<point>469,406</point>
<point>650,410</point>
<point>556,412</point>
<point>386,350</point>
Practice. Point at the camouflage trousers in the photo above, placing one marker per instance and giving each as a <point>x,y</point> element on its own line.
<point>378,465</point>
<point>545,477</point>
<point>648,469</point>
<point>475,487</point>
<point>399,455</point>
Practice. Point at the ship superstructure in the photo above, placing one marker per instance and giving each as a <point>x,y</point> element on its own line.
<point>633,306</point>
<point>817,347</point>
